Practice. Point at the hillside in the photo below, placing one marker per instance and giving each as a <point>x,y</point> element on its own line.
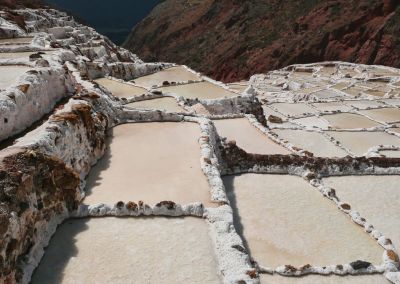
<point>231,40</point>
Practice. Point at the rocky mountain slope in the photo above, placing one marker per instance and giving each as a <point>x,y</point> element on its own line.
<point>231,40</point>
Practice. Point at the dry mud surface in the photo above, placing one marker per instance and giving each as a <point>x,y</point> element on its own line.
<point>154,173</point>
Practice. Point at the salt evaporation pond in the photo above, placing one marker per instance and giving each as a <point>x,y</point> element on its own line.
<point>202,90</point>
<point>173,74</point>
<point>16,40</point>
<point>121,90</point>
<point>384,115</point>
<point>320,279</point>
<point>151,162</point>
<point>311,141</point>
<point>349,121</point>
<point>284,220</point>
<point>248,137</point>
<point>167,104</point>
<point>332,106</point>
<point>360,142</point>
<point>131,250</point>
<point>10,73</point>
<point>313,122</point>
<point>376,198</point>
<point>290,109</point>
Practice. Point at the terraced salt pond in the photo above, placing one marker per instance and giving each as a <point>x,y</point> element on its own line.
<point>202,90</point>
<point>10,74</point>
<point>360,142</point>
<point>238,86</point>
<point>349,121</point>
<point>365,104</point>
<point>313,122</point>
<point>167,104</point>
<point>173,74</point>
<point>15,55</point>
<point>319,279</point>
<point>332,106</point>
<point>132,250</point>
<point>121,90</point>
<point>376,198</point>
<point>284,220</point>
<point>248,137</point>
<point>384,115</point>
<point>17,40</point>
<point>151,162</point>
<point>311,141</point>
<point>289,109</point>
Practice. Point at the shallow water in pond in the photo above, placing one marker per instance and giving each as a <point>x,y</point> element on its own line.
<point>289,109</point>
<point>319,279</point>
<point>151,162</point>
<point>173,74</point>
<point>167,104</point>
<point>376,198</point>
<point>311,141</point>
<point>284,220</point>
<point>9,74</point>
<point>349,121</point>
<point>131,250</point>
<point>248,137</point>
<point>121,90</point>
<point>360,142</point>
<point>202,90</point>
<point>388,115</point>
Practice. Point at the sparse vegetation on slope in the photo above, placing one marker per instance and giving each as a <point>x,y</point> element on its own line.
<point>231,40</point>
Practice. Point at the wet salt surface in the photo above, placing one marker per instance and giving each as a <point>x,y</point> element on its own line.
<point>349,121</point>
<point>9,74</point>
<point>311,141</point>
<point>384,115</point>
<point>360,142</point>
<point>121,90</point>
<point>135,250</point>
<point>286,221</point>
<point>248,137</point>
<point>319,279</point>
<point>376,198</point>
<point>151,162</point>
<point>173,74</point>
<point>167,104</point>
<point>202,90</point>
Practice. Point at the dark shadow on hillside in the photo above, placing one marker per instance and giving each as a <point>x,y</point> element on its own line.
<point>60,251</point>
